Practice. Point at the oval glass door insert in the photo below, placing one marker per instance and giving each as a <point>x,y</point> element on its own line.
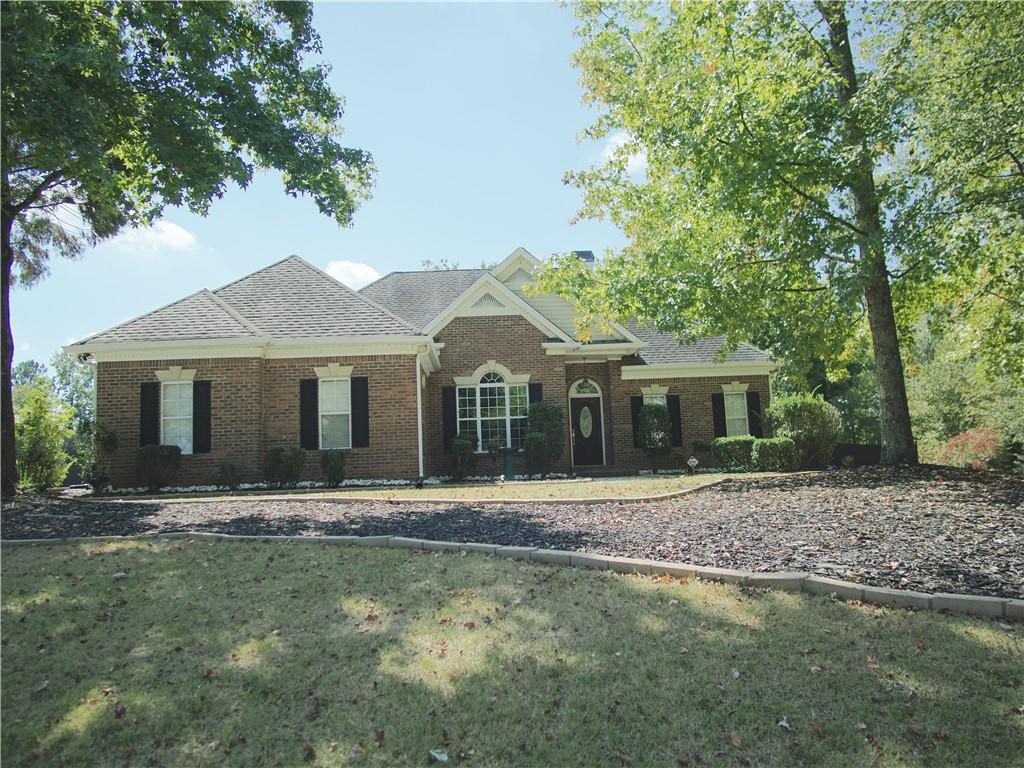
<point>586,421</point>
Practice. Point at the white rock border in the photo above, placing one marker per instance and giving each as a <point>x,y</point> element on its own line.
<point>799,581</point>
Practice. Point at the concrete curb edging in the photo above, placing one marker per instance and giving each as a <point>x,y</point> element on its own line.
<point>382,500</point>
<point>798,581</point>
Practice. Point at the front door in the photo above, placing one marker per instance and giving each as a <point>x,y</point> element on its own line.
<point>587,447</point>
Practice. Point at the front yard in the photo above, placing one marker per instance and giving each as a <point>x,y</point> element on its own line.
<point>249,653</point>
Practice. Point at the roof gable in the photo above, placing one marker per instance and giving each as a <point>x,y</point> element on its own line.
<point>419,297</point>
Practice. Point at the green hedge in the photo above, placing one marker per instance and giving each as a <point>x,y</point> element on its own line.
<point>773,454</point>
<point>733,452</point>
<point>284,466</point>
<point>332,465</point>
<point>158,464</point>
<point>811,423</point>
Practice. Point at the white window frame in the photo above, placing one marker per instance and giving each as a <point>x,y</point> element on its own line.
<point>320,412</point>
<point>190,418</point>
<point>478,389</point>
<point>735,390</point>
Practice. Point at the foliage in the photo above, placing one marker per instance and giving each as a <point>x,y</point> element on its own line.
<point>113,111</point>
<point>332,465</point>
<point>979,448</point>
<point>43,426</point>
<point>463,451</point>
<point>811,423</point>
<point>547,419</point>
<point>230,475</point>
<point>157,465</point>
<point>74,383</point>
<point>93,450</point>
<point>733,452</point>
<point>773,454</point>
<point>284,466</point>
<point>536,449</point>
<point>655,436</point>
<point>27,373</point>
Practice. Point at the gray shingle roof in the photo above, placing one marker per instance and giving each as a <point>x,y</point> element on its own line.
<point>199,316</point>
<point>290,299</point>
<point>663,348</point>
<point>419,297</point>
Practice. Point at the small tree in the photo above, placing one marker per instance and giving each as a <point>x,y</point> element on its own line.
<point>95,444</point>
<point>548,420</point>
<point>655,431</point>
<point>42,426</point>
<point>811,423</point>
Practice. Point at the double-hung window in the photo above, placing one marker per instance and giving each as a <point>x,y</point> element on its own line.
<point>176,414</point>
<point>494,411</point>
<point>736,414</point>
<point>335,414</point>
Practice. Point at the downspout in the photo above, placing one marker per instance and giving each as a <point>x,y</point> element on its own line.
<point>419,417</point>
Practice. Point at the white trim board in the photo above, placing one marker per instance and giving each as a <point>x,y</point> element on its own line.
<point>691,370</point>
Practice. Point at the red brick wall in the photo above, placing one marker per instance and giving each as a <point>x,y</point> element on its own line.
<point>255,406</point>
<point>470,342</point>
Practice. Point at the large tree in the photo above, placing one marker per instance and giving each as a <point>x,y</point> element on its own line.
<point>112,111</point>
<point>785,191</point>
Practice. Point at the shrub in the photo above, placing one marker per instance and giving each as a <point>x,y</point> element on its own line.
<point>463,450</point>
<point>332,464</point>
<point>229,475</point>
<point>42,426</point>
<point>96,444</point>
<point>976,448</point>
<point>655,437</point>
<point>773,454</point>
<point>702,446</point>
<point>536,447</point>
<point>158,464</point>
<point>733,452</point>
<point>284,466</point>
<point>811,423</point>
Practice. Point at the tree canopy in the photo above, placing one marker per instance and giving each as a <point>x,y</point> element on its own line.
<point>112,111</point>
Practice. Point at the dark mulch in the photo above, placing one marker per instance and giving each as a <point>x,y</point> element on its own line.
<point>926,528</point>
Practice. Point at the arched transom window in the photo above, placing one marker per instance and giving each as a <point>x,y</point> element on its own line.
<point>495,411</point>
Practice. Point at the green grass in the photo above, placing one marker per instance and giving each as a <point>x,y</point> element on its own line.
<point>599,488</point>
<point>246,653</point>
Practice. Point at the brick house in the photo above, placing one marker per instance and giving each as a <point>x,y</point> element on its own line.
<point>288,356</point>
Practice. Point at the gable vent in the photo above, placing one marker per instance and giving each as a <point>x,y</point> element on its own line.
<point>486,301</point>
<point>519,276</point>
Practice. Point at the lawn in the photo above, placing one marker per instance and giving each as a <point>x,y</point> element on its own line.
<point>625,488</point>
<point>275,653</point>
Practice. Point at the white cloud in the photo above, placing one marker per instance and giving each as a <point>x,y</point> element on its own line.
<point>162,236</point>
<point>635,163</point>
<point>354,274</point>
<point>25,347</point>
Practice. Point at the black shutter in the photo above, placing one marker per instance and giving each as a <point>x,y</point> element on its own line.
<point>718,413</point>
<point>360,412</point>
<point>754,414</point>
<point>201,439</point>
<point>149,413</point>
<point>676,419</point>
<point>309,409</point>
<point>635,404</point>
<point>448,416</point>
<point>536,393</point>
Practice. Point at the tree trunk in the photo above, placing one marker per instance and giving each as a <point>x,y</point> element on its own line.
<point>8,463</point>
<point>898,445</point>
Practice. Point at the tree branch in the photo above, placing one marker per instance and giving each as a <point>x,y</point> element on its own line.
<point>48,181</point>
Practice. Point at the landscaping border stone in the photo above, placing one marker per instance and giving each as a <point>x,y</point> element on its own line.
<point>975,605</point>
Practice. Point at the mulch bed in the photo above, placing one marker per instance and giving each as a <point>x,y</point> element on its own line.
<point>926,528</point>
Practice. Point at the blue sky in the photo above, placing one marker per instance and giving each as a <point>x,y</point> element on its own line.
<point>472,114</point>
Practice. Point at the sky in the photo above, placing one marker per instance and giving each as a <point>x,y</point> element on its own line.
<point>472,113</point>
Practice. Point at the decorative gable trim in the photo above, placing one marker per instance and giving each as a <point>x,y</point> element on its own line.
<point>487,301</point>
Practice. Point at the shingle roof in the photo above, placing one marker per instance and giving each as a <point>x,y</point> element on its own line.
<point>663,348</point>
<point>290,299</point>
<point>419,297</point>
<point>293,299</point>
<point>199,316</point>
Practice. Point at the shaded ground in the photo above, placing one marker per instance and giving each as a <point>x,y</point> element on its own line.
<point>269,653</point>
<point>927,528</point>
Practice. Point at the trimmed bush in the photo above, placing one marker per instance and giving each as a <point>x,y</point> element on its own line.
<point>332,464</point>
<point>655,435</point>
<point>773,454</point>
<point>95,452</point>
<point>42,427</point>
<point>463,450</point>
<point>158,464</point>
<point>536,447</point>
<point>811,423</point>
<point>284,466</point>
<point>702,446</point>
<point>229,475</point>
<point>733,452</point>
<point>975,449</point>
